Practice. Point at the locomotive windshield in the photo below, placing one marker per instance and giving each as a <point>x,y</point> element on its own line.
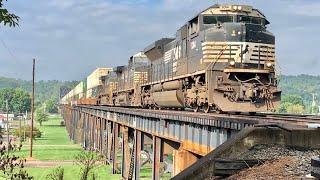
<point>216,19</point>
<point>220,19</point>
<point>252,20</point>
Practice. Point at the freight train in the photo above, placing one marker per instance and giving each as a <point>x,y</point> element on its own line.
<point>222,59</point>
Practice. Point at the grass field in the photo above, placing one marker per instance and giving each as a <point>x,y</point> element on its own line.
<point>72,173</point>
<point>54,144</point>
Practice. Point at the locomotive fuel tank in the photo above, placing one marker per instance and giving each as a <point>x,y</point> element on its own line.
<point>167,86</point>
<point>171,99</point>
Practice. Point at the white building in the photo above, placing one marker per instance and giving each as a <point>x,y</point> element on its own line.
<point>10,116</point>
<point>3,123</point>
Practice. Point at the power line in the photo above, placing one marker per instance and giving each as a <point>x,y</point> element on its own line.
<point>7,48</point>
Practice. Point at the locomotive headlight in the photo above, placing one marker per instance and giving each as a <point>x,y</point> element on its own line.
<point>232,62</point>
<point>269,64</point>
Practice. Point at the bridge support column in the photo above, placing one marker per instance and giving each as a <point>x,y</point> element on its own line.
<point>103,136</point>
<point>156,158</point>
<point>109,141</point>
<point>137,154</point>
<point>182,159</point>
<point>100,135</point>
<point>89,124</point>
<point>94,138</point>
<point>97,137</point>
<point>86,128</point>
<point>81,128</point>
<point>115,148</point>
<point>125,152</point>
<point>90,132</point>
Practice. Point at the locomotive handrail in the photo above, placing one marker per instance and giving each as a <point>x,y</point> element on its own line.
<point>211,65</point>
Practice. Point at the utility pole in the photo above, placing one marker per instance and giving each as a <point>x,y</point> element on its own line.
<point>8,140</point>
<point>20,132</point>
<point>32,107</point>
<point>24,126</point>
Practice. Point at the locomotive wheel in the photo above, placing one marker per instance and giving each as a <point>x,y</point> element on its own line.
<point>196,109</point>
<point>157,108</point>
<point>219,111</point>
<point>207,108</point>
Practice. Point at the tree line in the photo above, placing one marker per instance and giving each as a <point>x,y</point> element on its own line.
<point>297,94</point>
<point>46,94</point>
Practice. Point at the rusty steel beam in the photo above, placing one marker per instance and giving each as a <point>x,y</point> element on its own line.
<point>86,131</point>
<point>103,136</point>
<point>109,141</point>
<point>156,158</point>
<point>115,148</point>
<point>125,152</point>
<point>100,134</point>
<point>182,159</point>
<point>90,123</point>
<point>137,154</point>
<point>95,139</point>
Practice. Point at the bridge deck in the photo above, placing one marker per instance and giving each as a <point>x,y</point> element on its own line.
<point>186,135</point>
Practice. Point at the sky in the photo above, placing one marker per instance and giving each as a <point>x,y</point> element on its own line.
<point>71,38</point>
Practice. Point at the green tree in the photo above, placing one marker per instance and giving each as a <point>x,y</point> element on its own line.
<point>6,94</point>
<point>51,105</point>
<point>21,101</point>
<point>295,109</point>
<point>292,104</point>
<point>8,18</point>
<point>18,100</point>
<point>41,116</point>
<point>293,99</point>
<point>45,90</point>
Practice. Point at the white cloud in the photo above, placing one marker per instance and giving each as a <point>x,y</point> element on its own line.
<point>304,9</point>
<point>72,37</point>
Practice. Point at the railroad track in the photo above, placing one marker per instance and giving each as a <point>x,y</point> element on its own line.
<point>259,118</point>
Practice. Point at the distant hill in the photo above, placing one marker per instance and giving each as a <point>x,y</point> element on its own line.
<point>45,90</point>
<point>302,85</point>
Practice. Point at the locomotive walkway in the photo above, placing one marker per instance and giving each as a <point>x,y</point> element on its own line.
<point>196,141</point>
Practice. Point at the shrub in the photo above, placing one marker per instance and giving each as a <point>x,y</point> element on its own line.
<point>57,174</point>
<point>87,161</point>
<point>26,130</point>
<point>12,166</point>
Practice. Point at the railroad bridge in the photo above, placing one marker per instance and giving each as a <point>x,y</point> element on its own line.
<point>199,143</point>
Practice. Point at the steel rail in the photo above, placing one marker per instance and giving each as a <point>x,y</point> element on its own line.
<point>259,118</point>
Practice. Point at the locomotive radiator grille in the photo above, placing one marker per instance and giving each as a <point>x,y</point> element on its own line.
<point>253,53</point>
<point>140,77</point>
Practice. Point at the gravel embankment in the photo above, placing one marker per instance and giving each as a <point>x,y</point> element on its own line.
<point>283,162</point>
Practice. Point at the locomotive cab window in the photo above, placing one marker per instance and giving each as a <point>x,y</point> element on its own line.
<point>207,20</point>
<point>252,20</point>
<point>193,26</point>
